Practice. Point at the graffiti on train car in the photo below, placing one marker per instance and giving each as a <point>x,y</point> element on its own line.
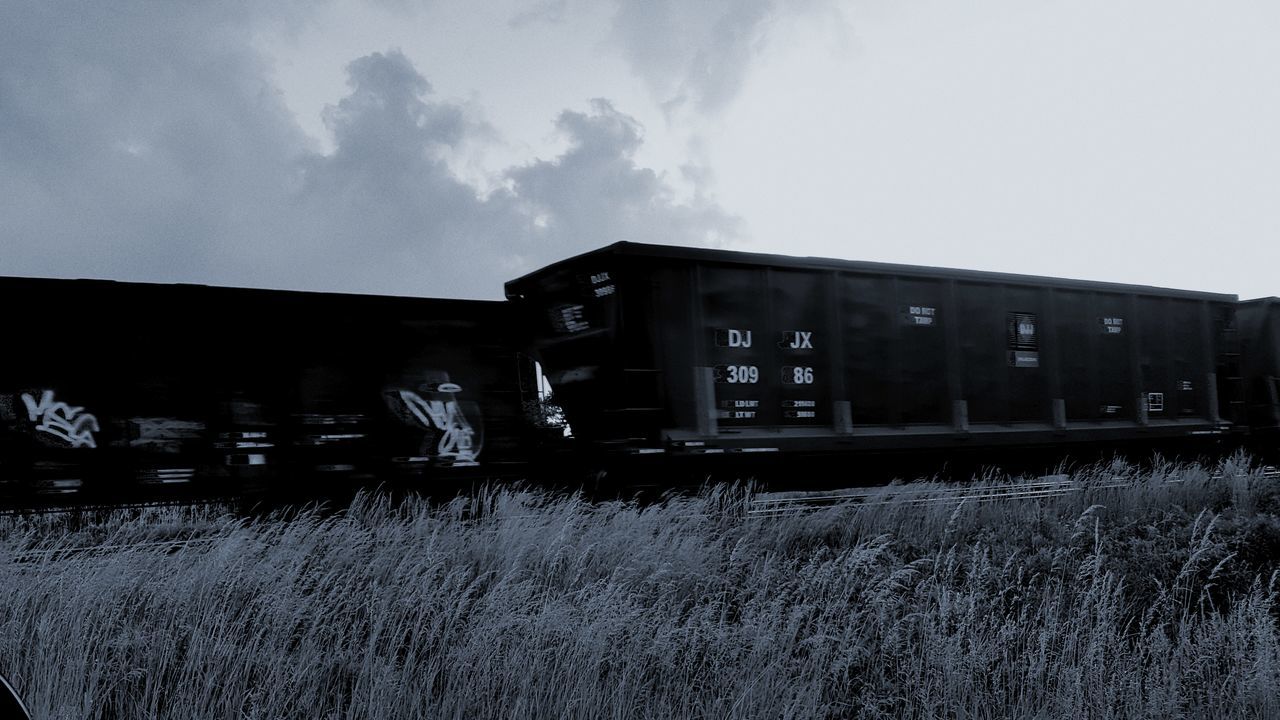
<point>67,422</point>
<point>439,413</point>
<point>457,438</point>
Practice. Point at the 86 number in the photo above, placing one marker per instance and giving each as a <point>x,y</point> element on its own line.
<point>797,375</point>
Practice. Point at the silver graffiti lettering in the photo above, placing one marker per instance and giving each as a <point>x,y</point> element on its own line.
<point>457,438</point>
<point>62,420</point>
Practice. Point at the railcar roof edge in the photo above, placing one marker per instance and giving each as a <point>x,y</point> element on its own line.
<point>796,262</point>
<point>106,284</point>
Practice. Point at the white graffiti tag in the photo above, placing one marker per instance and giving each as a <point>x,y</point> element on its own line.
<point>62,420</point>
<point>457,438</point>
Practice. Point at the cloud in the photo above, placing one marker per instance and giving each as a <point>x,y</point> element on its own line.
<point>697,54</point>
<point>149,144</point>
<point>133,137</point>
<point>387,211</point>
<point>547,11</point>
<point>595,190</point>
<point>692,55</point>
<point>383,210</point>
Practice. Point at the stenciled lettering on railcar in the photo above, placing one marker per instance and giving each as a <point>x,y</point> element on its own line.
<point>1024,358</point>
<point>733,337</point>
<point>601,285</point>
<point>164,428</point>
<point>799,409</point>
<point>1111,325</point>
<point>737,374</point>
<point>796,340</point>
<point>163,434</point>
<point>569,319</point>
<point>919,315</point>
<point>797,375</point>
<point>1155,402</point>
<point>67,422</point>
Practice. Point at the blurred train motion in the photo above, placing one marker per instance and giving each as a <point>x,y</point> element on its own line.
<point>665,362</point>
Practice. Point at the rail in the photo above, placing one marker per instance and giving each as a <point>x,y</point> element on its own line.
<point>53,554</point>
<point>30,510</point>
<point>769,505</point>
<point>765,505</point>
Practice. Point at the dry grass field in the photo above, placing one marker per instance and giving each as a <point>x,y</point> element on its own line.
<point>1157,600</point>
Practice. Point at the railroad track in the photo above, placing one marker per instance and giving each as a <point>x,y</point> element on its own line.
<point>781,505</point>
<point>764,505</point>
<point>170,546</point>
<point>55,554</point>
<point>109,507</point>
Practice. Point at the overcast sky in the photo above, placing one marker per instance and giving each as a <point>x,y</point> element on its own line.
<point>440,147</point>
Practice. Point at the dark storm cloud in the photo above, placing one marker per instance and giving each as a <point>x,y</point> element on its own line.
<point>383,208</point>
<point>595,190</point>
<point>147,143</point>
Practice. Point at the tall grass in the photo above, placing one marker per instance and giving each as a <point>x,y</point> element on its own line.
<point>1153,600</point>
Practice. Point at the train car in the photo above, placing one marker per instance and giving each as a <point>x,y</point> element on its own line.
<point>693,351</point>
<point>113,390</point>
<point>1260,352</point>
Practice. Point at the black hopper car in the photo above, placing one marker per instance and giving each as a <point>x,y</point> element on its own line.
<point>707,353</point>
<point>668,362</point>
<point>111,391</point>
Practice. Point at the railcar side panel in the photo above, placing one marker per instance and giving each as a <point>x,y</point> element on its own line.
<point>133,389</point>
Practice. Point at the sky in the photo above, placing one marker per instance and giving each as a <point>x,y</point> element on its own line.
<point>440,147</point>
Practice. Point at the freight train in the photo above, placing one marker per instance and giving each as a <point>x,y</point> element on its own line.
<point>666,362</point>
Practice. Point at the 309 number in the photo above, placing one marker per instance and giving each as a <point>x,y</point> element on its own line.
<point>737,374</point>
